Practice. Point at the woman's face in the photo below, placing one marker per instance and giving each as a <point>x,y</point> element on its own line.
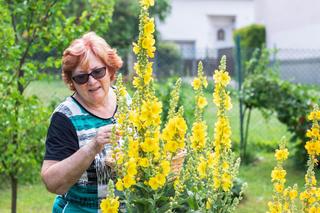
<point>95,91</point>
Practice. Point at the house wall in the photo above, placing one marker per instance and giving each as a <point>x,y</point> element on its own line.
<point>198,21</point>
<point>290,23</point>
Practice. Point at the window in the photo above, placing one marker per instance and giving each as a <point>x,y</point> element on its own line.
<point>221,35</point>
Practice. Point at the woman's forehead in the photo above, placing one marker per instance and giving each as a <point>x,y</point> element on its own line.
<point>91,62</point>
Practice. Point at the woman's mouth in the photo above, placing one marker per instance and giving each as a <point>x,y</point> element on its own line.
<point>94,89</point>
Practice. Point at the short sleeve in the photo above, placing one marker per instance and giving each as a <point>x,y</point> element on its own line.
<point>62,139</point>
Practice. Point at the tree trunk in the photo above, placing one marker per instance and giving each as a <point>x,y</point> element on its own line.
<point>14,189</point>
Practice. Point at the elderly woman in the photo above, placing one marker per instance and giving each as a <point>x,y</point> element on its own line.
<point>79,136</point>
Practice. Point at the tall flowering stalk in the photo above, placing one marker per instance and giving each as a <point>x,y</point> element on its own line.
<point>310,197</point>
<point>283,199</point>
<point>225,165</point>
<point>144,155</point>
<point>211,168</point>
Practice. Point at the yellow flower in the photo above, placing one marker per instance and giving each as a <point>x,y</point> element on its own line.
<point>314,115</point>
<point>110,205</point>
<point>150,52</point>
<point>227,102</point>
<point>132,168</point>
<point>147,3</point>
<point>144,162</point>
<point>208,204</point>
<point>161,179</point>
<point>149,145</point>
<point>225,165</point>
<point>150,111</point>
<point>202,168</point>
<point>278,174</point>
<point>153,183</point>
<point>136,82</point>
<point>149,26</point>
<point>165,165</point>
<point>216,183</point>
<point>128,181</point>
<point>136,48</point>
<point>202,102</point>
<point>171,146</point>
<point>226,182</point>
<point>278,187</point>
<point>304,195</point>
<point>119,185</point>
<point>281,154</point>
<point>313,148</point>
<point>221,77</point>
<point>148,42</point>
<point>293,194</point>
<point>196,84</point>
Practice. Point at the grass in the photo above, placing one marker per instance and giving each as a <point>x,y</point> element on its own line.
<point>32,198</point>
<point>35,198</point>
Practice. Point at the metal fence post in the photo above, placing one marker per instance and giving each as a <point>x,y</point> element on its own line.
<point>239,68</point>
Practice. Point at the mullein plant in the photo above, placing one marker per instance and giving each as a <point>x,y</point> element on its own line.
<point>144,155</point>
<point>310,197</point>
<point>111,203</point>
<point>283,199</point>
<point>215,162</point>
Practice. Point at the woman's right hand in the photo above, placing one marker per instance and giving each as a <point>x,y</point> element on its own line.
<point>103,137</point>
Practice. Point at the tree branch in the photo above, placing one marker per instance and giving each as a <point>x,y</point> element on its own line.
<point>13,21</point>
<point>30,41</point>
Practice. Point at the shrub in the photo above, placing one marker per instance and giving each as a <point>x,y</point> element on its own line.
<point>168,59</point>
<point>252,37</point>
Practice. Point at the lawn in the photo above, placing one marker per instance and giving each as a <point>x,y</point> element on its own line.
<point>35,198</point>
<point>263,133</point>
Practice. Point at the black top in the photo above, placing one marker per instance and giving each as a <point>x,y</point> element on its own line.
<point>62,139</point>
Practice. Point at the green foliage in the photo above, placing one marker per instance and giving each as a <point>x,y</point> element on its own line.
<point>33,35</point>
<point>263,89</point>
<point>168,59</point>
<point>251,37</point>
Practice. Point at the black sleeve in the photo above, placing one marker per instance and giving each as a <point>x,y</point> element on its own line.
<point>62,139</point>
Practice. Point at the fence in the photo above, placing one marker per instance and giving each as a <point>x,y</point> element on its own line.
<point>295,65</point>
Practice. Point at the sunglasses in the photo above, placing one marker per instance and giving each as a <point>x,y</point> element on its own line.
<point>84,78</point>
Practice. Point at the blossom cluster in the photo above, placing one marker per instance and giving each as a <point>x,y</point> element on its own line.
<point>283,200</point>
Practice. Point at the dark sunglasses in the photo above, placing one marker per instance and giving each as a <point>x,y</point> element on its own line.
<point>84,78</point>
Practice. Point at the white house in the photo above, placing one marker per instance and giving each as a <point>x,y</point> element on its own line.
<point>202,25</point>
<point>290,24</point>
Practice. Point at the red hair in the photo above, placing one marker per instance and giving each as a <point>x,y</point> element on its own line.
<point>78,54</point>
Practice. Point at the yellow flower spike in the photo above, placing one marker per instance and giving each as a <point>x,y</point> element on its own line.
<point>147,3</point>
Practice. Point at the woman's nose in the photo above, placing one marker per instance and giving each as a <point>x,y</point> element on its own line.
<point>91,80</point>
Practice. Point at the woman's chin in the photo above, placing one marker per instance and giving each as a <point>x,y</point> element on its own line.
<point>97,96</point>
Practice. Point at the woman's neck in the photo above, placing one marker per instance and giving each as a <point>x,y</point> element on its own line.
<point>104,108</point>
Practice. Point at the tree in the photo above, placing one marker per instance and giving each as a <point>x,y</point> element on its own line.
<point>125,24</point>
<point>32,37</point>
